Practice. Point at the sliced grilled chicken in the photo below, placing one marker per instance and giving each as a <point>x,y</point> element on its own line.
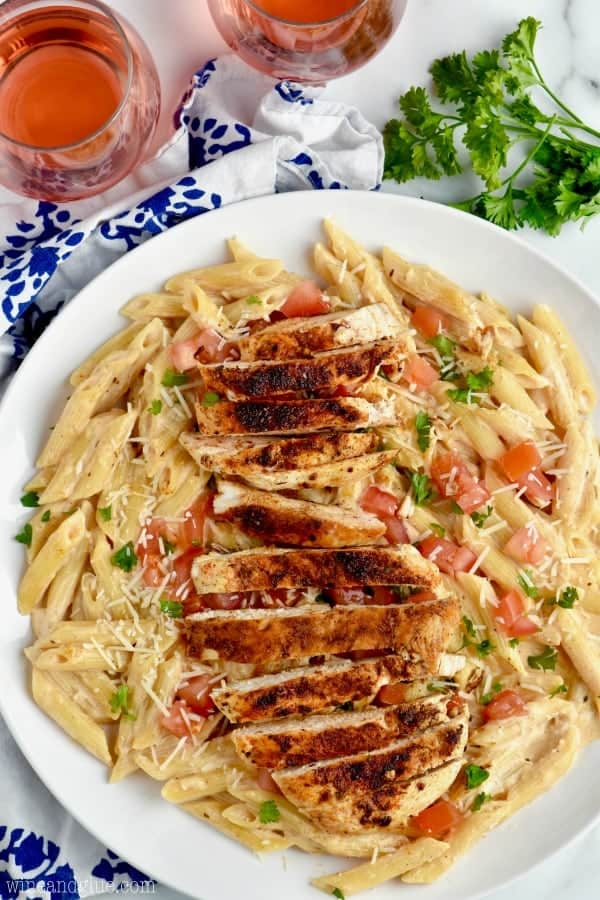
<point>281,745</point>
<point>235,455</point>
<point>293,416</point>
<point>418,630</point>
<point>313,688</point>
<point>297,523</point>
<point>272,568</point>
<point>323,372</point>
<point>374,788</point>
<point>299,338</point>
<point>325,476</point>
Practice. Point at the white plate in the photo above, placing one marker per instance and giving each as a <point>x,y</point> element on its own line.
<point>130,817</point>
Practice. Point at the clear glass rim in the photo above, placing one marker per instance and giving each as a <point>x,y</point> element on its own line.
<point>10,10</point>
<point>333,21</point>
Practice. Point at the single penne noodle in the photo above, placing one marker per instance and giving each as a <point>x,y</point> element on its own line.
<point>546,357</point>
<point>39,481</point>
<point>49,560</point>
<point>510,424</point>
<point>257,304</point>
<point>392,865</point>
<point>201,308</point>
<point>482,594</point>
<point>250,273</point>
<point>335,273</point>
<point>63,588</point>
<point>91,690</point>
<point>376,289</point>
<point>185,495</point>
<point>575,463</point>
<point>69,716</point>
<point>345,247</point>
<point>147,306</point>
<point>506,388</point>
<point>581,650</point>
<point>194,787</point>
<point>495,318</point>
<point>239,251</point>
<point>521,368</point>
<point>147,726</point>
<point>120,341</point>
<point>577,371</point>
<point>258,840</point>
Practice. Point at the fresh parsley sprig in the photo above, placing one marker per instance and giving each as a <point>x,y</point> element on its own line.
<point>488,102</point>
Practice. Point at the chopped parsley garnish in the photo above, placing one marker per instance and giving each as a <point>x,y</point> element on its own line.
<point>210,399</point>
<point>24,537</point>
<point>480,518</point>
<point>514,642</point>
<point>125,558</point>
<point>421,487</point>
<point>423,426</point>
<point>476,383</point>
<point>479,800</point>
<point>337,893</point>
<point>456,508</point>
<point>30,499</point>
<point>437,687</point>
<point>323,598</point>
<point>544,660</point>
<point>46,516</point>
<point>489,696</point>
<point>253,300</point>
<point>559,689</point>
<point>526,583</point>
<point>269,812</point>
<point>469,627</point>
<point>475,776</point>
<point>438,529</point>
<point>568,598</point>
<point>484,648</point>
<point>105,513</point>
<point>171,608</point>
<point>173,379</point>
<point>169,546</point>
<point>446,347</point>
<point>119,702</point>
<point>155,407</point>
<point>348,706</point>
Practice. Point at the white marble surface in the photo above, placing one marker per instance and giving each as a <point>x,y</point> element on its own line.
<point>182,37</point>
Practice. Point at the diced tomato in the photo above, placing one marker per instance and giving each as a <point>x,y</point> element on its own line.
<point>421,597</point>
<point>454,705</point>
<point>196,694</point>
<point>266,782</point>
<point>448,556</point>
<point>540,489</point>
<point>504,705</point>
<point>182,569</point>
<point>192,530</point>
<point>153,574</point>
<point>526,545</point>
<point>223,601</point>
<point>419,372</point>
<point>395,530</point>
<point>381,503</point>
<point>428,321</point>
<point>473,498</point>
<point>381,596</point>
<point>391,694</point>
<point>463,559</point>
<point>153,536</point>
<point>523,627</point>
<point>347,596</point>
<point>451,475</point>
<point>439,819</point>
<point>205,346</point>
<point>519,460</point>
<point>521,464</point>
<point>306,299</point>
<point>174,722</point>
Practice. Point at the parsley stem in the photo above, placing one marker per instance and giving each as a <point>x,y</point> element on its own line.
<point>532,152</point>
<point>550,92</point>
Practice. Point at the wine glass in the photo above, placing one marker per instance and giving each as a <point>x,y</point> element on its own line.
<point>306,40</point>
<point>79,98</point>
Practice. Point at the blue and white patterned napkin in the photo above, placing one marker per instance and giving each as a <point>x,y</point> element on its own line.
<point>241,136</point>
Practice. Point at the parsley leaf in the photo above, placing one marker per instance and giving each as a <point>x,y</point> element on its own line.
<point>46,516</point>
<point>125,558</point>
<point>444,345</point>
<point>458,510</point>
<point>480,381</point>
<point>155,407</point>
<point>489,696</point>
<point>486,103</point>
<point>568,598</point>
<point>480,518</point>
<point>527,585</point>
<point>30,499</point>
<point>119,702</point>
<point>514,642</point>
<point>559,689</point>
<point>210,399</point>
<point>337,893</point>
<point>475,776</point>
<point>105,513</point>
<point>545,660</point>
<point>484,648</point>
<point>269,812</point>
<point>24,537</point>
<point>173,379</point>
<point>423,427</point>
<point>469,627</point>
<point>421,487</point>
<point>479,800</point>
<point>171,608</point>
<point>438,529</point>
<point>253,300</point>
